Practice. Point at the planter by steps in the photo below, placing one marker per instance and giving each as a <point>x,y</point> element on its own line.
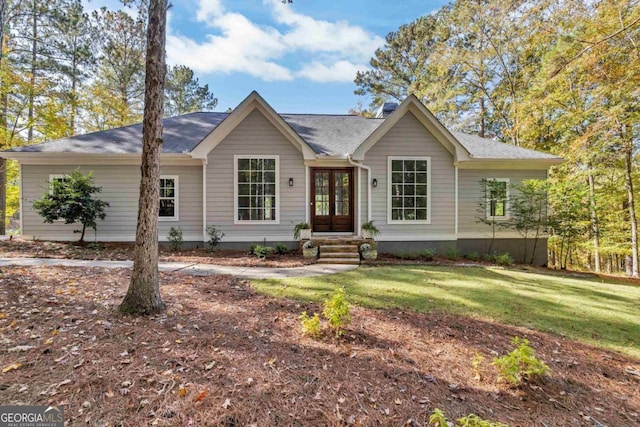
<point>310,252</point>
<point>373,254</point>
<point>305,234</point>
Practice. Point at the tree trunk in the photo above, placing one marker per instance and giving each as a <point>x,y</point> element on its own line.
<point>632,208</point>
<point>3,195</point>
<point>595,229</point>
<point>32,85</point>
<point>3,125</point>
<point>143,296</point>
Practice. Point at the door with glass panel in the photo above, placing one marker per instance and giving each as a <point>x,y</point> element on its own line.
<point>332,200</point>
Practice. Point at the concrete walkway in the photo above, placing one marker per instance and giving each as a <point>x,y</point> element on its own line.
<point>190,268</point>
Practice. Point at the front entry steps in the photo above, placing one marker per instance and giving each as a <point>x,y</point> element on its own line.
<point>339,254</point>
<point>339,249</point>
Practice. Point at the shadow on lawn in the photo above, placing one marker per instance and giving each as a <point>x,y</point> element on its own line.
<point>563,308</point>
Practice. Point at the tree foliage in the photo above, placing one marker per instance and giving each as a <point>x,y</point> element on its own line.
<point>184,94</point>
<point>72,200</point>
<point>559,76</point>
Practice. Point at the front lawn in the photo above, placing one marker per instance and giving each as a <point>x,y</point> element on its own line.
<point>598,312</point>
<point>224,355</point>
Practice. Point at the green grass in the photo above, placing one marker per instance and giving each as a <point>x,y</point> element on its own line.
<point>604,313</point>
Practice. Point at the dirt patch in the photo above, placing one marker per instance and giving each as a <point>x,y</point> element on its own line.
<point>18,248</point>
<point>223,355</point>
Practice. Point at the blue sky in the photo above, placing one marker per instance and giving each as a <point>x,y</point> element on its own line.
<point>301,57</point>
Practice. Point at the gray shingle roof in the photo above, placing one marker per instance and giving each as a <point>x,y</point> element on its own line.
<point>327,135</point>
<point>483,148</point>
<point>181,133</point>
<point>331,134</point>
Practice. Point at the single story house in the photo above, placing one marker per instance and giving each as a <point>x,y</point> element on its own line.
<point>255,173</point>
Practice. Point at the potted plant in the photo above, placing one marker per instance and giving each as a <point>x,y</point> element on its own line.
<point>368,252</point>
<point>369,230</point>
<point>302,231</point>
<point>309,249</point>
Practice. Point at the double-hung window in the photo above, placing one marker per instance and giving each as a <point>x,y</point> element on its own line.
<point>56,178</point>
<point>497,191</point>
<point>256,189</point>
<point>168,198</point>
<point>409,190</point>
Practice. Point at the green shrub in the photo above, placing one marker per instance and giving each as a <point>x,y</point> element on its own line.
<point>500,259</point>
<point>337,312</point>
<point>504,259</point>
<point>262,251</point>
<point>452,253</point>
<point>175,238</point>
<point>521,364</point>
<point>310,325</point>
<point>473,256</point>
<point>215,235</point>
<point>438,419</point>
<point>281,248</point>
<point>427,254</point>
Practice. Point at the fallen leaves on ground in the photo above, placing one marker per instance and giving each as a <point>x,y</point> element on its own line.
<point>223,355</point>
<point>19,248</point>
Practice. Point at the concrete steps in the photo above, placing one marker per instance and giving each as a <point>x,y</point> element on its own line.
<point>339,254</point>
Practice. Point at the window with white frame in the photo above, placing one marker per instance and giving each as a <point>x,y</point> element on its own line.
<point>256,188</point>
<point>56,178</point>
<point>497,191</point>
<point>168,198</point>
<point>409,189</point>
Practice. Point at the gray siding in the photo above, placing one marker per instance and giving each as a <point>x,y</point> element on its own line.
<point>470,192</point>
<point>409,138</point>
<point>255,136</point>
<point>120,188</point>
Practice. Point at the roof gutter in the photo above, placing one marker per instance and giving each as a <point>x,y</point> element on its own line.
<point>368,169</point>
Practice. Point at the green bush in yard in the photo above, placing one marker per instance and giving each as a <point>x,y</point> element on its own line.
<point>175,238</point>
<point>521,364</point>
<point>310,325</point>
<point>215,235</point>
<point>262,251</point>
<point>438,419</point>
<point>337,311</point>
<point>282,249</point>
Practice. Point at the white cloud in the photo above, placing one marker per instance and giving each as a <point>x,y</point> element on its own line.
<point>209,9</point>
<point>341,71</point>
<point>241,45</point>
<point>323,36</point>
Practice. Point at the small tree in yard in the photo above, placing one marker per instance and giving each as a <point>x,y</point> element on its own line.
<point>529,212</point>
<point>71,199</point>
<point>493,192</point>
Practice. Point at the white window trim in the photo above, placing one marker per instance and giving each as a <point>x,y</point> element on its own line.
<point>389,183</point>
<point>236,157</point>
<point>51,178</point>
<point>55,176</point>
<point>506,202</point>
<point>176,216</point>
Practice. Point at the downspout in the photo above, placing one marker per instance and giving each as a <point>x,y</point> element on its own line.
<point>368,169</point>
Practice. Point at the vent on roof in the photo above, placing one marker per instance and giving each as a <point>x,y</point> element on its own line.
<point>387,108</point>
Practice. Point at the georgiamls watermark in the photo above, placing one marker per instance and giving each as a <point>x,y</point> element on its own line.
<point>31,416</point>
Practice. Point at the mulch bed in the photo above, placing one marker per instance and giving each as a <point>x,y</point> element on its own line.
<point>223,355</point>
<point>18,248</point>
